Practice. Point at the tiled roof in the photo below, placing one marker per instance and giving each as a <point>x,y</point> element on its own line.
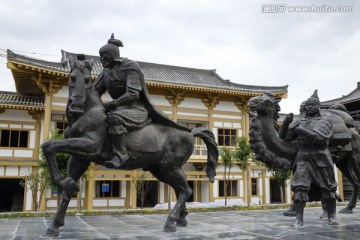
<point>37,62</point>
<point>160,73</point>
<point>351,97</point>
<point>11,99</point>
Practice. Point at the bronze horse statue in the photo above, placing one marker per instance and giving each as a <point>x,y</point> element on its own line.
<point>160,149</point>
<point>276,152</point>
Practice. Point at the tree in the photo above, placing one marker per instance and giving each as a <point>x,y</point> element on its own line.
<point>62,160</point>
<point>227,158</point>
<point>141,185</point>
<point>240,157</point>
<point>36,184</point>
<point>280,176</point>
<point>242,154</point>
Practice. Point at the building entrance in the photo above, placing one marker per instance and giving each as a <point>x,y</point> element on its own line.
<point>275,194</point>
<point>11,195</point>
<point>151,197</point>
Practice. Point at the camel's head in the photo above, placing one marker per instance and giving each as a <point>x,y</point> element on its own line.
<point>264,105</point>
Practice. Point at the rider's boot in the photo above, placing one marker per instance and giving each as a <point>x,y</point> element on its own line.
<point>331,203</point>
<point>324,205</point>
<point>299,206</point>
<point>119,154</point>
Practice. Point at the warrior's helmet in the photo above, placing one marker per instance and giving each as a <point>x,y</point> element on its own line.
<point>112,48</point>
<point>314,98</point>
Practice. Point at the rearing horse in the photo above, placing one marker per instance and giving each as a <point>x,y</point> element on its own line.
<point>160,149</point>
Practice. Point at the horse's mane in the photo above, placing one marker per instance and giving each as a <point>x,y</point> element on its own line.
<point>82,65</point>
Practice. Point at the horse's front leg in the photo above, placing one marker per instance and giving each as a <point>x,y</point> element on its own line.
<point>76,169</point>
<point>53,229</point>
<point>78,146</point>
<point>352,203</point>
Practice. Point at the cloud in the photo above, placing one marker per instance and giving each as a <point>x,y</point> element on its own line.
<point>306,51</point>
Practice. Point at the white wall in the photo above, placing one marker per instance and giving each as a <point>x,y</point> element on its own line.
<point>159,100</point>
<point>227,106</point>
<point>16,115</point>
<point>193,103</point>
<point>63,92</point>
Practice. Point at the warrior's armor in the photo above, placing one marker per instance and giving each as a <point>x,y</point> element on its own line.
<point>313,162</point>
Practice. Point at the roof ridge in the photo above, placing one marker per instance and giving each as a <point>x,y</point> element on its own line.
<point>21,94</point>
<point>64,53</point>
<point>12,55</point>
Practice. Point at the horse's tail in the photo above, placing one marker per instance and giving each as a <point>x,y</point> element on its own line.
<point>212,150</point>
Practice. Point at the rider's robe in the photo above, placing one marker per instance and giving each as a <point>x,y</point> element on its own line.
<point>125,77</point>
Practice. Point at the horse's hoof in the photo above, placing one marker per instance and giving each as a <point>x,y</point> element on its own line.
<point>169,227</point>
<point>181,223</point>
<point>289,214</point>
<point>333,222</point>
<point>346,211</point>
<point>69,185</point>
<point>52,232</point>
<point>323,215</point>
<point>297,224</point>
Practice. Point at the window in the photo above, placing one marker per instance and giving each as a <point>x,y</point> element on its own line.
<point>254,186</point>
<point>107,189</point>
<point>197,141</point>
<point>227,137</point>
<point>232,189</point>
<point>61,126</point>
<point>61,122</point>
<point>14,138</point>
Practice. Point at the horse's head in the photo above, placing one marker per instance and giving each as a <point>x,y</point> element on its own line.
<point>79,82</point>
<point>264,105</point>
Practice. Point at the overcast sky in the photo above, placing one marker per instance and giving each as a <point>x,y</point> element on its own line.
<point>244,43</point>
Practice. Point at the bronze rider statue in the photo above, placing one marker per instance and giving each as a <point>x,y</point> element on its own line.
<point>131,107</point>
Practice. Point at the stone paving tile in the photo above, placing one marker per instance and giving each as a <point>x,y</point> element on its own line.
<point>256,225</point>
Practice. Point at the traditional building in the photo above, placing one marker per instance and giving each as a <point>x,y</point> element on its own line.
<point>192,97</point>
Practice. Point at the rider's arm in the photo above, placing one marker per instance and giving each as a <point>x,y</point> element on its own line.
<point>133,89</point>
<point>99,84</point>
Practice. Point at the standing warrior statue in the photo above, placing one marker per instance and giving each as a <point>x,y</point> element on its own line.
<point>313,161</point>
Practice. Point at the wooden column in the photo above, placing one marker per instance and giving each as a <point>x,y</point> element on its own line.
<point>133,192</point>
<point>36,115</point>
<point>340,183</point>
<point>248,180</point>
<point>47,121</point>
<point>90,188</point>
<point>263,178</point>
<point>175,99</point>
<point>128,191</point>
<point>211,102</point>
<point>242,106</point>
<point>47,115</point>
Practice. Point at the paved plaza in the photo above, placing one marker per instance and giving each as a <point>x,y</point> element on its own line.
<point>261,225</point>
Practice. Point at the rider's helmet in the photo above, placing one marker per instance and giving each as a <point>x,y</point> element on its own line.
<point>111,49</point>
